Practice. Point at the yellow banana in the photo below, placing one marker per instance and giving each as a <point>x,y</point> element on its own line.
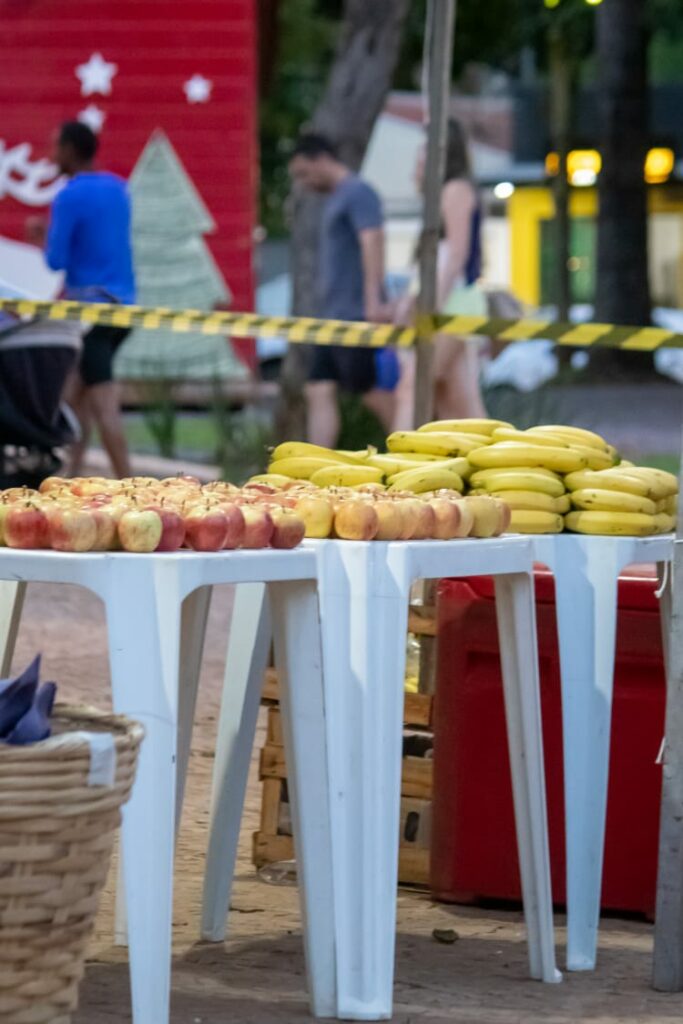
<point>664,522</point>
<point>577,434</point>
<point>612,524</point>
<point>301,467</point>
<point>616,479</point>
<point>527,437</point>
<point>302,449</point>
<point>596,500</point>
<point>392,464</point>
<point>446,444</point>
<point>516,455</point>
<point>531,501</point>
<point>273,479</point>
<point>595,457</point>
<point>671,505</point>
<point>347,476</point>
<point>660,483</point>
<point>494,480</point>
<point>423,479</point>
<point>527,521</point>
<point>563,504</point>
<point>472,426</point>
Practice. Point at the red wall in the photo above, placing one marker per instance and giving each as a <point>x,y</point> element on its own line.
<point>158,45</point>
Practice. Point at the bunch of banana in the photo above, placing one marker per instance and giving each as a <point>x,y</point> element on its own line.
<point>623,501</point>
<point>446,443</point>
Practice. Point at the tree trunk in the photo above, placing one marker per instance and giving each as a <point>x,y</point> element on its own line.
<point>623,291</point>
<point>359,81</point>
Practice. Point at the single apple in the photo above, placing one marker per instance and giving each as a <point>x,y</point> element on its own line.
<point>206,528</point>
<point>389,519</point>
<point>96,485</point>
<point>72,528</point>
<point>258,488</point>
<point>486,516</point>
<point>504,516</point>
<point>172,528</point>
<point>16,494</point>
<point>356,520</point>
<point>289,529</point>
<point>466,518</point>
<point>426,521</point>
<point>26,527</point>
<point>53,483</point>
<point>107,518</point>
<point>317,514</point>
<point>258,527</point>
<point>446,519</point>
<point>140,530</point>
<point>235,526</point>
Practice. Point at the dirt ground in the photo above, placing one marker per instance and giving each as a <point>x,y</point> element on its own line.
<point>257,976</point>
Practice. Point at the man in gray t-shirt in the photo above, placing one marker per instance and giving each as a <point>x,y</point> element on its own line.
<point>350,287</point>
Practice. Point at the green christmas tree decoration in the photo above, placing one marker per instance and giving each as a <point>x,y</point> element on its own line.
<point>174,268</point>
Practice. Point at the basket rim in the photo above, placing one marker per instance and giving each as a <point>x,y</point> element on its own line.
<point>82,716</point>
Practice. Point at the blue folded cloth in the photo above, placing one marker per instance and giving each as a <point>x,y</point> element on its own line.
<point>25,706</point>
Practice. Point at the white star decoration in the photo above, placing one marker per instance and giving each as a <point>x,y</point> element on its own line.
<point>93,117</point>
<point>96,75</point>
<point>198,89</point>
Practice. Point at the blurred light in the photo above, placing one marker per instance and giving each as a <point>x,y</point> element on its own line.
<point>551,3</point>
<point>583,167</point>
<point>593,3</point>
<point>659,165</point>
<point>504,190</point>
<point>552,165</point>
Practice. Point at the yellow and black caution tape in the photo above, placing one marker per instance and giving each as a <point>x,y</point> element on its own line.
<point>306,330</point>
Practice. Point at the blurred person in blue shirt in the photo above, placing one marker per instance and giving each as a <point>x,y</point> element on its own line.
<point>88,237</point>
<point>351,286</point>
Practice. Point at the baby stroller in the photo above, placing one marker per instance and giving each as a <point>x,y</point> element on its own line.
<point>35,359</point>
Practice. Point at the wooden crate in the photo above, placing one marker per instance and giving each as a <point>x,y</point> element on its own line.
<point>273,842</point>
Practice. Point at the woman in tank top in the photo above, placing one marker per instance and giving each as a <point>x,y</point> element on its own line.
<point>456,362</point>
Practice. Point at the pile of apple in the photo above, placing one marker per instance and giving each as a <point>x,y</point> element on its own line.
<point>142,514</point>
<point>370,512</point>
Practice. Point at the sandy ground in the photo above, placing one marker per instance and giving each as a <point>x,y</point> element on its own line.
<point>258,974</point>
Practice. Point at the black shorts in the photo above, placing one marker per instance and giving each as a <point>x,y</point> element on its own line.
<point>97,358</point>
<point>353,369</point>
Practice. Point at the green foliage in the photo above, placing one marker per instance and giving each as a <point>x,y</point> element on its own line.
<point>307,32</point>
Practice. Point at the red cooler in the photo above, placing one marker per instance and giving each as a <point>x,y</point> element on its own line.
<point>474,849</point>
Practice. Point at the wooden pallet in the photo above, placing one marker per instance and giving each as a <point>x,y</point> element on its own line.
<point>273,842</point>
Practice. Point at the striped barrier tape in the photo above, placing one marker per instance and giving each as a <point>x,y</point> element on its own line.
<point>306,330</point>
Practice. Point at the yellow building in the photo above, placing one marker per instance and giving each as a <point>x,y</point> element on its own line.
<point>530,212</point>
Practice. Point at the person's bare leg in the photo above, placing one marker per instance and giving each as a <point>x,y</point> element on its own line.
<point>456,371</point>
<point>76,396</point>
<point>383,405</point>
<point>105,408</point>
<point>404,415</point>
<point>324,421</point>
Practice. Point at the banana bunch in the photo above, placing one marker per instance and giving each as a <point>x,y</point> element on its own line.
<point>551,477</point>
<point>418,471</point>
<point>625,501</point>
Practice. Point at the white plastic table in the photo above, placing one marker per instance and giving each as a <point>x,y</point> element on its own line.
<point>156,608</point>
<point>364,593</point>
<point>586,571</point>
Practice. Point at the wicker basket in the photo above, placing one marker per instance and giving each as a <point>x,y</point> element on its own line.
<point>57,830</point>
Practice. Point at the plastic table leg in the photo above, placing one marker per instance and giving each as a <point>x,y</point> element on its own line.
<point>248,646</point>
<point>143,606</point>
<point>194,615</point>
<point>364,613</point>
<point>515,610</point>
<point>586,573</point>
<point>11,603</point>
<point>299,660</point>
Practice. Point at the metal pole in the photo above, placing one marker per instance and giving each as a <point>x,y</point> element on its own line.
<point>668,958</point>
<point>440,32</point>
<point>441,29</point>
